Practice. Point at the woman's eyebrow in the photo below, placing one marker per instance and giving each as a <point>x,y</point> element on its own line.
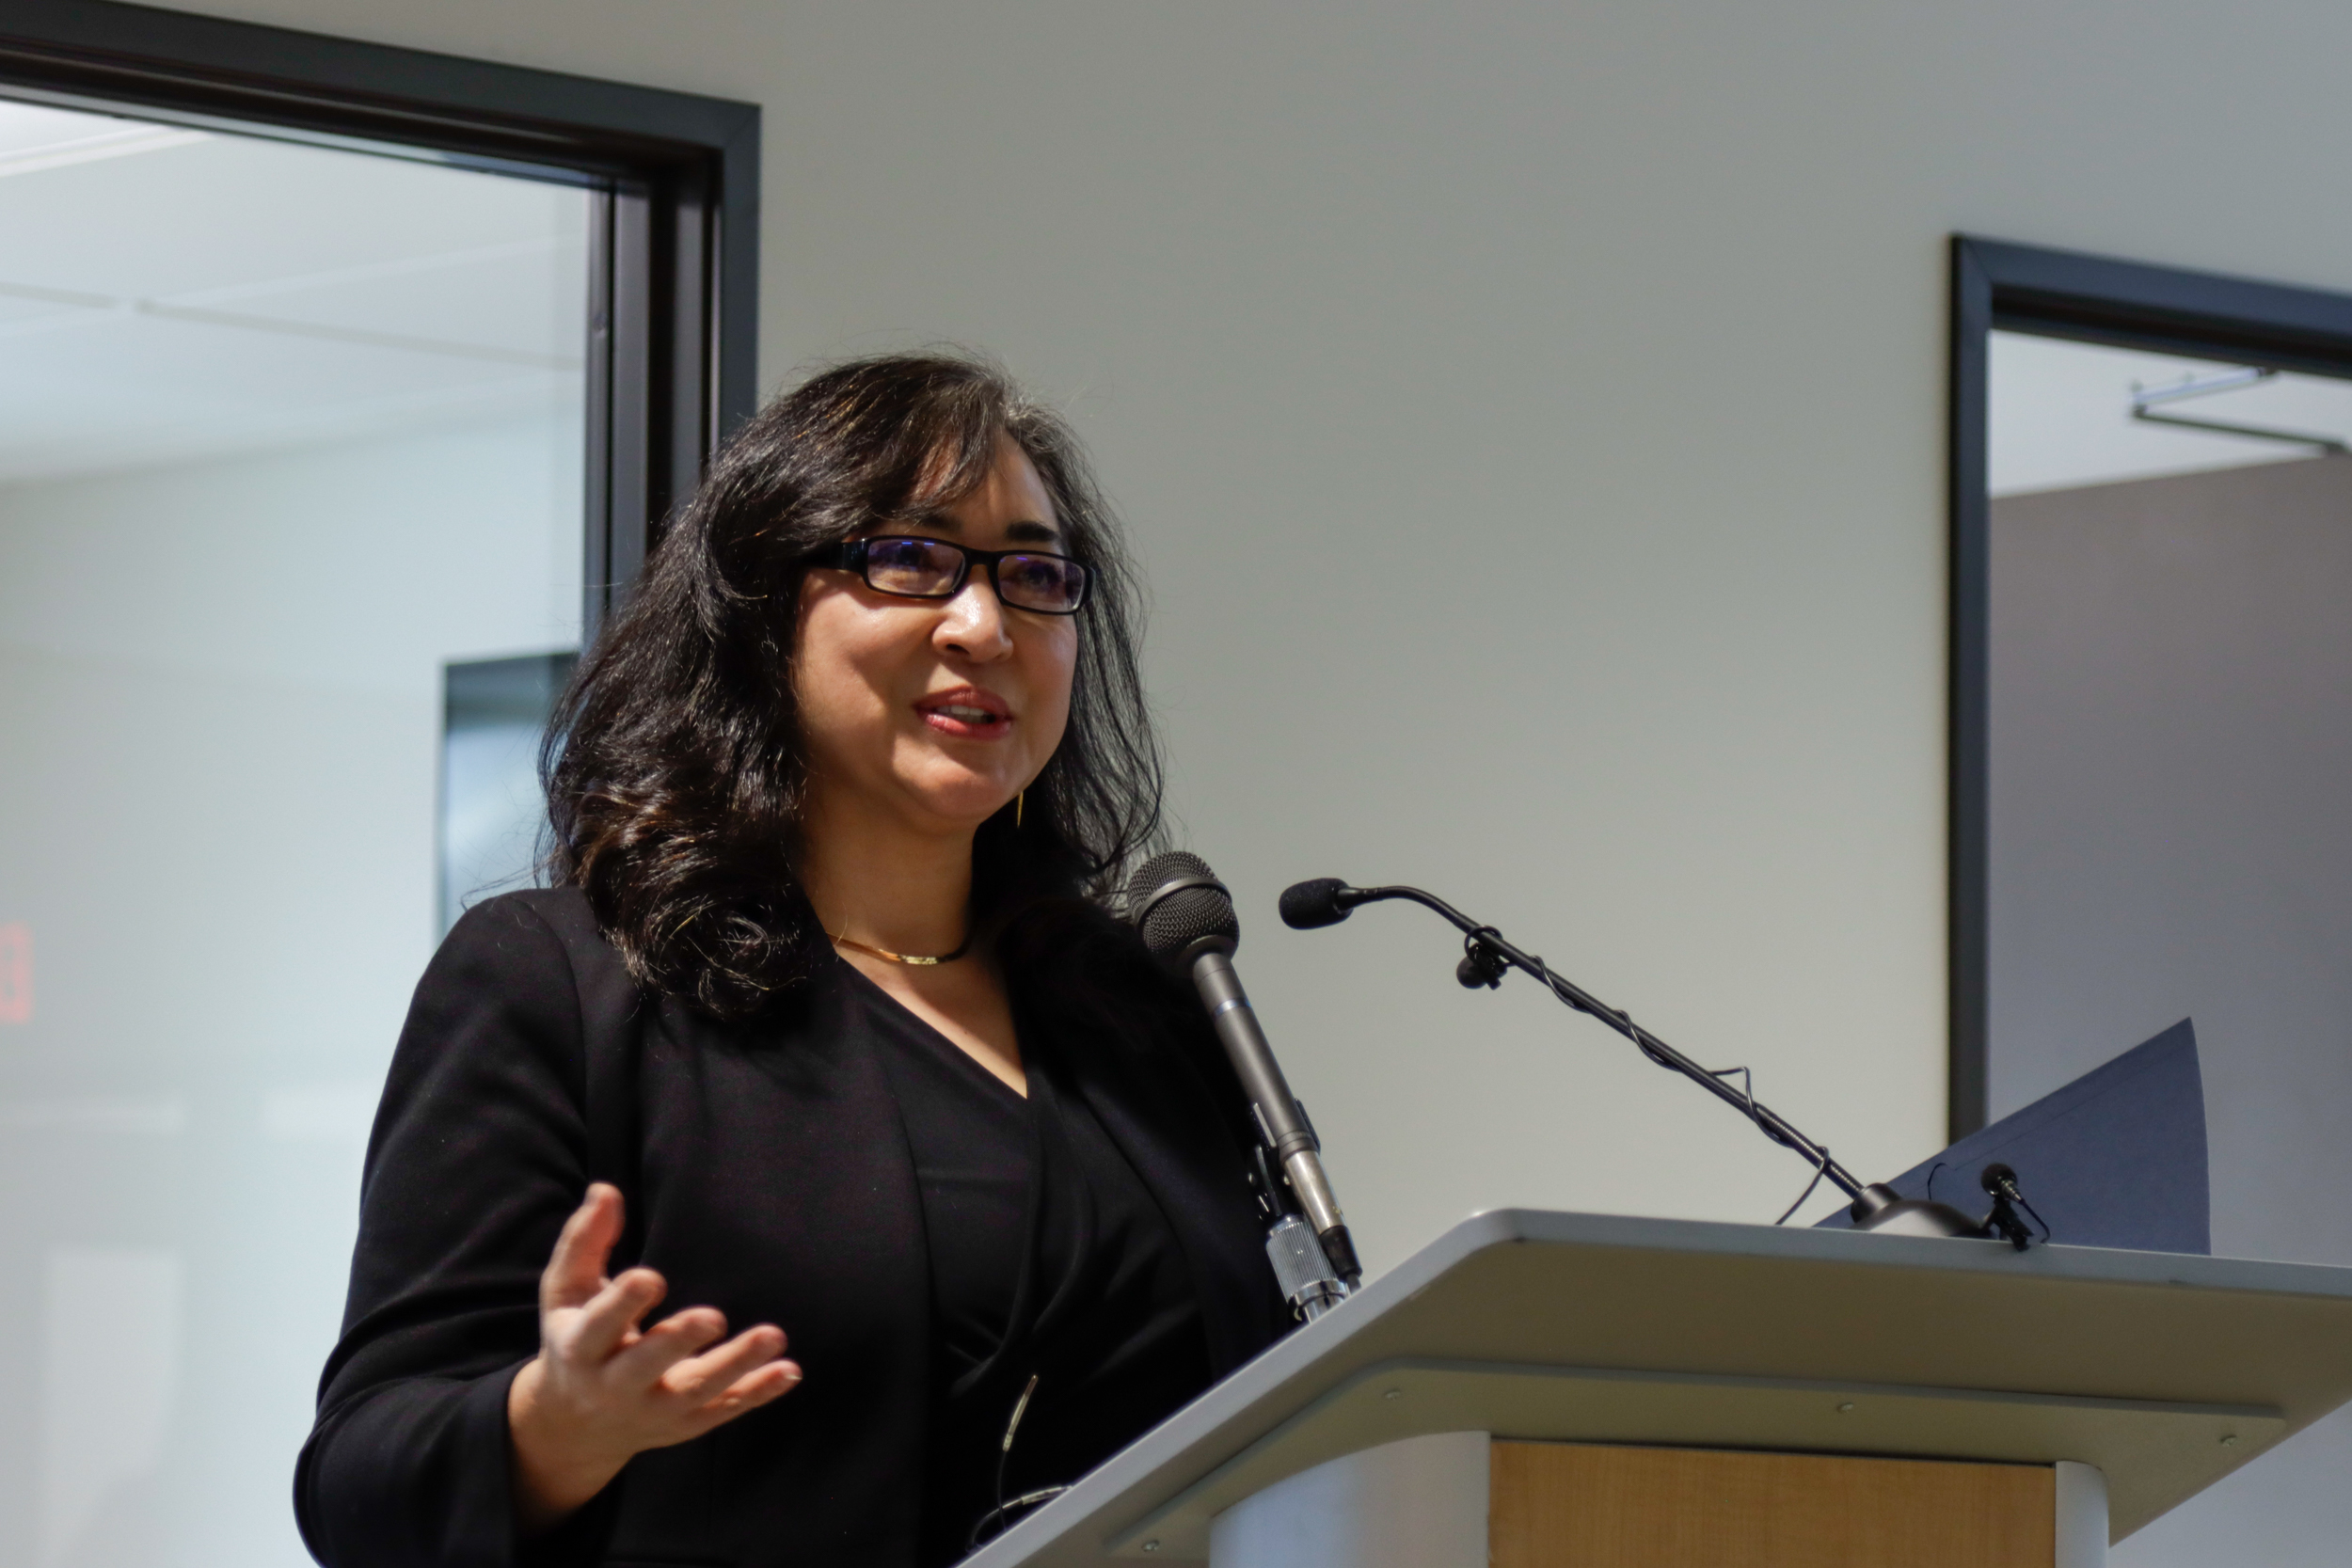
<point>1029,532</point>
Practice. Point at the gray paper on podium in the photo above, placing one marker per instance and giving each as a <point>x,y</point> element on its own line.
<point>2166,1371</point>
<point>2115,1159</point>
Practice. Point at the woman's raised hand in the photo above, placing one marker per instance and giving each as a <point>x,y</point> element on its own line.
<point>601,1390</point>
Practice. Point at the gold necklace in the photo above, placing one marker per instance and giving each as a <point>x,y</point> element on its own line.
<point>916,958</point>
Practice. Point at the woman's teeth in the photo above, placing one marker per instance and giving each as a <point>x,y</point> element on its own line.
<point>968,715</point>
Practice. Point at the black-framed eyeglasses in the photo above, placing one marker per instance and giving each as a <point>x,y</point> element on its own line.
<point>914,567</point>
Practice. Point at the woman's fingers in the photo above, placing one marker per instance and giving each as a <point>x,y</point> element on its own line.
<point>575,1272</point>
<point>673,1340</point>
<point>761,1384</point>
<point>605,1323</point>
<point>700,1378</point>
<point>758,1386</point>
<point>664,1383</point>
<point>748,1392</point>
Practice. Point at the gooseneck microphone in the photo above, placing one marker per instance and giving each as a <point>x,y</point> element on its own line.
<point>1325,901</point>
<point>1486,957</point>
<point>1187,920</point>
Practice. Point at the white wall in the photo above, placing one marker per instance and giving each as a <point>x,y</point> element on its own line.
<point>219,729</point>
<point>1640,305</point>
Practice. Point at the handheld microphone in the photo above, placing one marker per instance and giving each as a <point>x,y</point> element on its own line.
<point>1187,920</point>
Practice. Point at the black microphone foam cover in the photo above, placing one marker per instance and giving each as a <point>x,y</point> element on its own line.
<point>1178,925</point>
<point>1308,905</point>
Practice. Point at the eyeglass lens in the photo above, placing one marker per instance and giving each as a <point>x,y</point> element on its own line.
<point>927,569</point>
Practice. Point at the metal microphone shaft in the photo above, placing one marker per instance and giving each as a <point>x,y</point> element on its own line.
<point>1186,919</point>
<point>1286,1132</point>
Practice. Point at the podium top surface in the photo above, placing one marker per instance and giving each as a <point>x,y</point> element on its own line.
<point>2166,1370</point>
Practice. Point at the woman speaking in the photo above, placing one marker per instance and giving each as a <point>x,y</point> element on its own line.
<point>814,1176</point>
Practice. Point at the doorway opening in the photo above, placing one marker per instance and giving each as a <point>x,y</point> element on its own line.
<point>2152,745</point>
<point>341,390</point>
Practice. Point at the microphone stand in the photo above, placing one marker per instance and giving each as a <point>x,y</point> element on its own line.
<point>1486,958</point>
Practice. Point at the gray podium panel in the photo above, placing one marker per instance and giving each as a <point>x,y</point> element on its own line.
<point>2166,1372</point>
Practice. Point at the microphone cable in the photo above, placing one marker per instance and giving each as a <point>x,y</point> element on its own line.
<point>981,1531</point>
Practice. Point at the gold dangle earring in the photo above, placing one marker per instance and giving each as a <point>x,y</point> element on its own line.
<point>1019,796</point>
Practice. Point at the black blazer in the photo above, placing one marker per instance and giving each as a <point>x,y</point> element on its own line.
<point>767,1175</point>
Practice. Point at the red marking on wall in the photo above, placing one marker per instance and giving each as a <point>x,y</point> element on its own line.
<point>16,973</point>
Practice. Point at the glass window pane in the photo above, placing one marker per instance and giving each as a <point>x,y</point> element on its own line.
<point>289,455</point>
<point>2171,744</point>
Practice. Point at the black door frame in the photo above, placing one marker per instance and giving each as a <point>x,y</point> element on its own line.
<point>2063,293</point>
<point>674,291</point>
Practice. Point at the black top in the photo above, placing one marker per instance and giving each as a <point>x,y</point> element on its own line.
<point>768,1173</point>
<point>1050,1259</point>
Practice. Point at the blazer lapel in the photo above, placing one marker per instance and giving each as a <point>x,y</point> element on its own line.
<point>1181,1153</point>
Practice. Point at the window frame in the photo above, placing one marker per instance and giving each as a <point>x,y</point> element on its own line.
<point>1997,284</point>
<point>675,233</point>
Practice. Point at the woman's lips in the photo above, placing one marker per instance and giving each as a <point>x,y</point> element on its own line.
<point>967,712</point>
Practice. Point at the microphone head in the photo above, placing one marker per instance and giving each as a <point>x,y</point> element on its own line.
<point>1308,905</point>
<point>1997,1179</point>
<point>1183,911</point>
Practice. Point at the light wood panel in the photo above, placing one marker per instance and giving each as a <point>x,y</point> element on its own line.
<point>1572,1505</point>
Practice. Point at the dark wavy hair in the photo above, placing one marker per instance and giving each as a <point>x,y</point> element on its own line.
<point>674,767</point>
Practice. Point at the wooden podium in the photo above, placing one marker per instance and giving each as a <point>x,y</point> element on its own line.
<point>1550,1390</point>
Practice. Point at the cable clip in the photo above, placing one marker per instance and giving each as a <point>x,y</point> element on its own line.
<point>1481,965</point>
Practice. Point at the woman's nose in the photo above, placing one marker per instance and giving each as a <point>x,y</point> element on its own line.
<point>974,626</point>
